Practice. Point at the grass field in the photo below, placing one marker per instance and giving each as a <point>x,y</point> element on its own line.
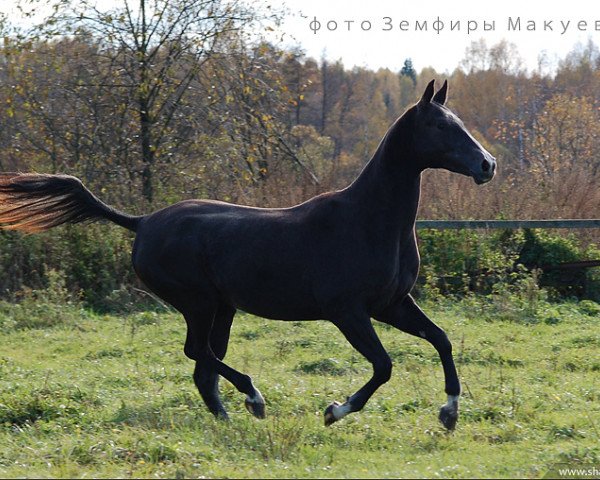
<point>86,395</point>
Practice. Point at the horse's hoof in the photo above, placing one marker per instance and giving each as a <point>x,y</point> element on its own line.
<point>329,417</point>
<point>255,408</point>
<point>448,417</point>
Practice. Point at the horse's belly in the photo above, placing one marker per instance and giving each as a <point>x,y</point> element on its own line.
<point>277,305</point>
<point>279,293</point>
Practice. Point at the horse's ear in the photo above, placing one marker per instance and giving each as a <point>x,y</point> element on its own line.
<point>442,94</point>
<point>428,94</point>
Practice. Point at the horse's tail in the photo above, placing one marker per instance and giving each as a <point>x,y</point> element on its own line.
<point>34,202</point>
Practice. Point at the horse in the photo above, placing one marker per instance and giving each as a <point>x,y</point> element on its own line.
<point>346,256</point>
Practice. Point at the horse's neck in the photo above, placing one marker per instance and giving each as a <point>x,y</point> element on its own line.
<point>389,187</point>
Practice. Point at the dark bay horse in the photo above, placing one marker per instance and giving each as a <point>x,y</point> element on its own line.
<point>345,256</point>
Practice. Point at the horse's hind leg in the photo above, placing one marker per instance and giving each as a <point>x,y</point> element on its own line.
<point>205,377</point>
<point>197,347</point>
<point>255,403</point>
<point>207,344</point>
<point>203,312</point>
<point>208,322</point>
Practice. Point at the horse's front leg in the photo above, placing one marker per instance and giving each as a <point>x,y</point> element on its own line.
<point>359,331</point>
<point>408,317</point>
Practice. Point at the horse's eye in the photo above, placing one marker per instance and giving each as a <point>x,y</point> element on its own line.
<point>441,126</point>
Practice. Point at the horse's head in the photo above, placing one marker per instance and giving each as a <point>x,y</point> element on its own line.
<point>442,141</point>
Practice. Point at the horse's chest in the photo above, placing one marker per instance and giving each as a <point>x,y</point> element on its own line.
<point>407,276</point>
<point>397,280</point>
<point>370,273</point>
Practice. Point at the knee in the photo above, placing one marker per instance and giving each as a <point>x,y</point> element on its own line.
<point>442,343</point>
<point>204,377</point>
<point>190,351</point>
<point>383,369</point>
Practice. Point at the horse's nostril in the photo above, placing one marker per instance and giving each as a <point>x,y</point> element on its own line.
<point>486,166</point>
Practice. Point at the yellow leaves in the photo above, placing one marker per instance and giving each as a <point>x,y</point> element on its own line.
<point>264,48</point>
<point>565,133</point>
<point>9,109</point>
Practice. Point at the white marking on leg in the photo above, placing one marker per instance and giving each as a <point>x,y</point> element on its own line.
<point>257,398</point>
<point>340,411</point>
<point>452,402</point>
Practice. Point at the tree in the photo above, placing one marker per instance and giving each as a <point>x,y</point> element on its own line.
<point>153,53</point>
<point>334,101</point>
<point>565,136</point>
<point>409,71</point>
<point>579,72</point>
<point>300,76</point>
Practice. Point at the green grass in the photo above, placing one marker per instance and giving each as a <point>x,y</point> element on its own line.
<point>110,396</point>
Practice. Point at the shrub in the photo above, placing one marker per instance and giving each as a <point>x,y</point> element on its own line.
<point>542,249</point>
<point>455,262</point>
<point>49,307</point>
<point>94,260</point>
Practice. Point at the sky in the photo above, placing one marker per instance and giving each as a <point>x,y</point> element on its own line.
<point>353,30</point>
<point>444,50</point>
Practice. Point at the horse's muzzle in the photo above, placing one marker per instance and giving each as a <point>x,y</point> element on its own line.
<point>486,170</point>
